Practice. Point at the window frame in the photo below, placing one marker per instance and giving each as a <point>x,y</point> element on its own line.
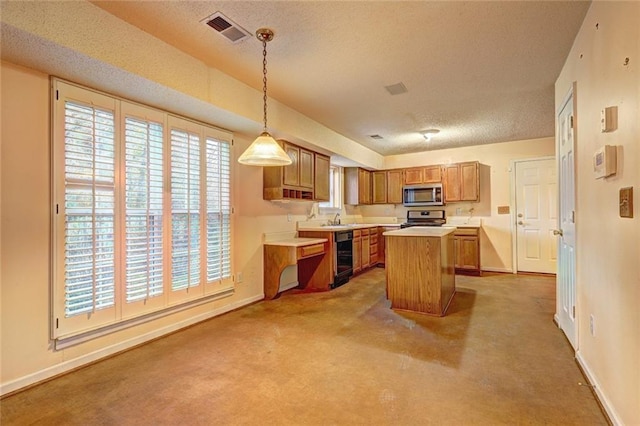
<point>81,327</point>
<point>336,191</point>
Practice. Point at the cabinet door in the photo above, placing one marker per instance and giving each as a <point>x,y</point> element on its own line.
<point>321,180</point>
<point>432,174</point>
<point>469,256</point>
<point>394,186</point>
<point>366,249</point>
<point>373,246</point>
<point>379,187</point>
<point>458,253</point>
<point>469,183</point>
<point>451,182</point>
<point>306,169</point>
<point>357,252</point>
<point>291,174</point>
<point>413,176</point>
<point>364,186</point>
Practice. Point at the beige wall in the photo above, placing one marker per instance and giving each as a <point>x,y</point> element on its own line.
<point>26,353</point>
<point>608,248</point>
<point>495,183</point>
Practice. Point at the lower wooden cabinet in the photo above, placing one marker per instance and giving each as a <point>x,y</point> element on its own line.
<point>466,243</point>
<point>357,251</point>
<point>366,249</point>
<point>373,247</point>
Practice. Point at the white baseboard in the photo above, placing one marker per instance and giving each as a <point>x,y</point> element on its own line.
<point>490,269</point>
<point>71,364</point>
<point>604,401</point>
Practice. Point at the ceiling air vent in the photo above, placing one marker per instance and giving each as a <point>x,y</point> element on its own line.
<point>225,26</point>
<point>376,137</point>
<point>396,89</point>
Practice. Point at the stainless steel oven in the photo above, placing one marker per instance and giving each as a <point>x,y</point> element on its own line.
<point>425,218</point>
<point>343,257</point>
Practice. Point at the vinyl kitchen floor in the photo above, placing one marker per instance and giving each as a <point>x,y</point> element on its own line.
<point>339,358</point>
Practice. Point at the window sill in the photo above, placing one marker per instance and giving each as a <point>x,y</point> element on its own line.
<point>69,341</point>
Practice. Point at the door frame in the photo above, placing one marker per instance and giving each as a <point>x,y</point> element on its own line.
<point>570,96</point>
<point>512,215</point>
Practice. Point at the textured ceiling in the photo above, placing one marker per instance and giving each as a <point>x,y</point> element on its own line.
<point>480,72</point>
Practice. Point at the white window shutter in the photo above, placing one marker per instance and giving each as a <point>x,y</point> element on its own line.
<point>144,209</point>
<point>89,151</point>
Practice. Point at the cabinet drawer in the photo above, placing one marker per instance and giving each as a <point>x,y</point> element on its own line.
<point>357,233</point>
<point>474,232</point>
<point>308,251</point>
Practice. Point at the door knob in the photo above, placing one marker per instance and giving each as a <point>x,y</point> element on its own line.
<point>557,232</point>
<point>520,214</point>
<point>520,222</point>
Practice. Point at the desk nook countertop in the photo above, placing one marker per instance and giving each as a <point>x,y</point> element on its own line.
<point>306,253</point>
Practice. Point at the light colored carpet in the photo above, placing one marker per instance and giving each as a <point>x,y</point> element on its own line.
<point>340,358</point>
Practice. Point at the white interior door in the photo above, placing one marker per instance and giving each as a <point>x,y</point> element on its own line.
<point>566,275</point>
<point>536,215</point>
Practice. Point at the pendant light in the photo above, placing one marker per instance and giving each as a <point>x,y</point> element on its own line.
<point>264,151</point>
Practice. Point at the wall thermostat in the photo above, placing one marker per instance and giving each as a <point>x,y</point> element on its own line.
<point>604,161</point>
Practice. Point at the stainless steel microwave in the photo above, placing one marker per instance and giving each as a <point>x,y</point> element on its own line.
<point>422,195</point>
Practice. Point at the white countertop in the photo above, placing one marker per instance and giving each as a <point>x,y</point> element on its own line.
<point>296,242</point>
<point>421,231</point>
<point>345,227</point>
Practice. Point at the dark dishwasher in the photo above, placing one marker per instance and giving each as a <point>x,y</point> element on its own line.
<point>343,257</point>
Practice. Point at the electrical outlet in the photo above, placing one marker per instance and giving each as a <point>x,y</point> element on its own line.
<point>592,326</point>
<point>288,217</point>
<point>239,277</point>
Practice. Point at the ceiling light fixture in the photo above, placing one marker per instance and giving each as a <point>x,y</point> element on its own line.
<point>429,133</point>
<point>264,151</point>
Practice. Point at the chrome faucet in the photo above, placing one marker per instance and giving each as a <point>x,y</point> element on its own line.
<point>336,220</point>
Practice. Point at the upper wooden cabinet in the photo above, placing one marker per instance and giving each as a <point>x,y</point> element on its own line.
<point>461,182</point>
<point>394,186</point>
<point>425,174</point>
<point>321,180</point>
<point>432,174</point>
<point>357,186</point>
<point>299,180</point>
<point>306,169</point>
<point>379,187</point>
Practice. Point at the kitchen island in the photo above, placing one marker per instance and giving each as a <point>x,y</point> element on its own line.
<point>420,269</point>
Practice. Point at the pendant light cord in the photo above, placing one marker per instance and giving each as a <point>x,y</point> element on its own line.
<point>264,81</point>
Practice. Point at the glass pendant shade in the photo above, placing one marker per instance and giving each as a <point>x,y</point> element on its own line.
<point>264,151</point>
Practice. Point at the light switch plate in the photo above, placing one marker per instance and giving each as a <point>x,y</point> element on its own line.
<point>626,202</point>
<point>609,119</point>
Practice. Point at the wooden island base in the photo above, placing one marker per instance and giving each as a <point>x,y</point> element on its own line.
<point>420,270</point>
